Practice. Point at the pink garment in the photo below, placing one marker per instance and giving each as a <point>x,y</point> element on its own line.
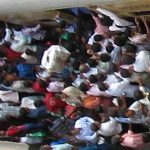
<point>132,140</point>
<point>101,29</point>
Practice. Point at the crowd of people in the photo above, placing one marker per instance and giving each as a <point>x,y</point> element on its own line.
<point>76,85</point>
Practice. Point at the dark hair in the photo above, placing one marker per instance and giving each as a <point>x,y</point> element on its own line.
<point>83,87</point>
<point>120,41</point>
<point>75,65</point>
<point>42,83</point>
<point>102,77</point>
<point>125,73</point>
<point>62,24</point>
<point>29,52</point>
<point>106,21</point>
<point>149,96</point>
<point>138,94</point>
<point>130,48</point>
<point>92,62</point>
<point>38,103</point>
<point>102,86</point>
<point>127,59</point>
<point>2,54</point>
<point>93,78</point>
<point>23,112</point>
<point>96,47</point>
<point>98,38</point>
<point>105,57</point>
<point>94,127</point>
<point>109,48</point>
<point>28,83</point>
<point>17,27</point>
<point>128,32</point>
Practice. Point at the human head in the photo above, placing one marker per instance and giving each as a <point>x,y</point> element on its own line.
<point>94,127</point>
<point>98,38</point>
<point>28,83</point>
<point>105,57</point>
<point>93,79</point>
<point>128,31</point>
<point>83,68</point>
<point>116,140</point>
<point>38,103</point>
<point>120,40</point>
<point>17,27</point>
<point>92,62</point>
<point>83,87</point>
<point>96,47</point>
<point>24,111</point>
<point>130,48</point>
<point>127,59</point>
<point>129,113</point>
<point>102,77</point>
<point>29,52</point>
<point>75,65</point>
<point>138,95</point>
<point>102,86</point>
<point>106,21</point>
<point>109,48</point>
<point>125,73</point>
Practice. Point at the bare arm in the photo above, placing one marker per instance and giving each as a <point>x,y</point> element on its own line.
<point>143,18</point>
<point>138,25</point>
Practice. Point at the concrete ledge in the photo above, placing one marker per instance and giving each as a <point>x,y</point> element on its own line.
<point>4,145</point>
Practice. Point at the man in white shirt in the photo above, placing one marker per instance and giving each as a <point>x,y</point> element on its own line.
<point>86,71</point>
<point>54,58</point>
<point>117,89</point>
<point>142,62</point>
<point>110,127</point>
<point>117,20</point>
<point>83,131</point>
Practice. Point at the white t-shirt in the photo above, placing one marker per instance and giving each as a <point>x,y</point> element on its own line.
<point>92,71</point>
<point>86,133</point>
<point>110,128</point>
<point>117,89</point>
<point>64,146</point>
<point>78,81</point>
<point>142,62</point>
<point>28,102</point>
<point>54,58</point>
<point>118,21</point>
<point>111,78</point>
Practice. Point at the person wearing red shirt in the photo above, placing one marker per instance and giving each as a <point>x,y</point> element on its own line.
<point>54,104</point>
